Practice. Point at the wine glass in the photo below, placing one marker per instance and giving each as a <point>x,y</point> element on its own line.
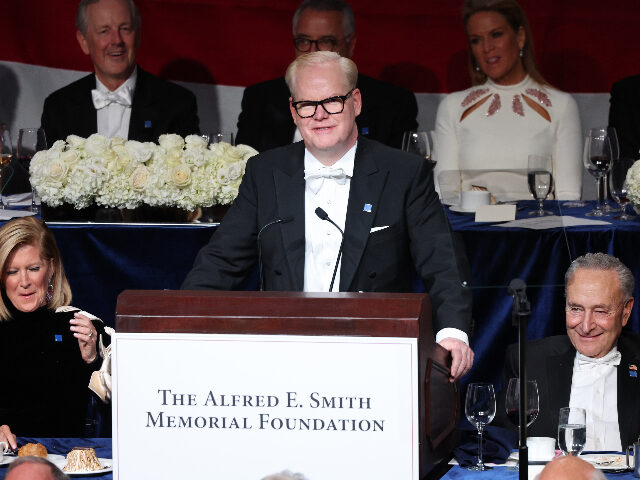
<point>220,137</point>
<point>615,153</point>
<point>540,180</point>
<point>512,402</point>
<point>418,143</point>
<point>6,153</point>
<point>30,141</point>
<point>480,408</point>
<point>572,430</point>
<point>597,160</point>
<point>618,184</point>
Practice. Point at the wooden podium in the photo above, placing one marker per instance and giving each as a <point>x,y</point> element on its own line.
<point>346,314</point>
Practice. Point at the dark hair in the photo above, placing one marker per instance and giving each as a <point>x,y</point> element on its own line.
<point>348,20</point>
<point>516,18</point>
<point>81,15</point>
<point>56,473</point>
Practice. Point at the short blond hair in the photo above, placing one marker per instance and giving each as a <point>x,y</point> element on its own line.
<point>348,66</point>
<point>31,231</point>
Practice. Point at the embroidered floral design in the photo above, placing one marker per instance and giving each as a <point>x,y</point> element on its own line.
<point>473,96</point>
<point>495,105</point>
<point>539,95</point>
<point>516,105</point>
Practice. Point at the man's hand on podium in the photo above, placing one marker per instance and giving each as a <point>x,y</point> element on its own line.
<point>461,357</point>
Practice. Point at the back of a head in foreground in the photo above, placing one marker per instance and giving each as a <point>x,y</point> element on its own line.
<point>570,468</point>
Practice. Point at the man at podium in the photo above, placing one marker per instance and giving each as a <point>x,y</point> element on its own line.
<point>295,201</point>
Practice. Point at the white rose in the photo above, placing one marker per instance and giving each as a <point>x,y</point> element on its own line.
<point>195,141</point>
<point>58,146</point>
<point>141,152</point>
<point>75,141</point>
<point>70,157</point>
<point>181,175</point>
<point>234,171</point>
<point>246,150</point>
<point>194,157</point>
<point>171,141</point>
<point>117,141</point>
<point>139,178</point>
<point>57,170</point>
<point>96,145</point>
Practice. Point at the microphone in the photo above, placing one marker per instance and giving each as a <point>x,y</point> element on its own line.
<point>322,215</point>
<point>270,224</point>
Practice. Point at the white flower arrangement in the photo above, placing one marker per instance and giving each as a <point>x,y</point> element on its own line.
<point>120,173</point>
<point>633,184</point>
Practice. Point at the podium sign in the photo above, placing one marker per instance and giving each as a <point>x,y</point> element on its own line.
<point>246,406</point>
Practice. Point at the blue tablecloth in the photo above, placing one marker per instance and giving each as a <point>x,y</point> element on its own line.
<point>497,473</point>
<point>62,446</point>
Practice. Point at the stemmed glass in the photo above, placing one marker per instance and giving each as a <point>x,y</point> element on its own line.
<point>480,408</point>
<point>30,141</point>
<point>219,137</point>
<point>572,430</point>
<point>6,153</point>
<point>512,402</point>
<point>540,180</point>
<point>615,154</point>
<point>618,184</point>
<point>418,143</point>
<point>597,160</point>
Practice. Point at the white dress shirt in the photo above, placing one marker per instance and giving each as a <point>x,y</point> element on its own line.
<point>594,387</point>
<point>322,239</point>
<point>113,120</point>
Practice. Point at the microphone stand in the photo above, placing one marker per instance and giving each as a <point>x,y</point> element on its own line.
<point>519,314</point>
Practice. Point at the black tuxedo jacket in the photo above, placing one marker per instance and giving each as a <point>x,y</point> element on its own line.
<point>624,115</point>
<point>158,107</point>
<point>550,363</point>
<point>265,120</point>
<point>399,188</point>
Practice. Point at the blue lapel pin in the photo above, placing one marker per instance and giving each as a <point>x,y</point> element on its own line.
<point>57,337</point>
<point>147,124</point>
<point>633,371</point>
<point>364,130</point>
<point>367,208</point>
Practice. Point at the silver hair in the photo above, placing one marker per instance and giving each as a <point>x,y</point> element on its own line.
<point>285,475</point>
<point>347,65</point>
<point>348,20</point>
<point>56,473</point>
<point>81,15</point>
<point>602,261</point>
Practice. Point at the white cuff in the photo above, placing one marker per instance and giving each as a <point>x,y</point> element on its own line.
<point>452,333</point>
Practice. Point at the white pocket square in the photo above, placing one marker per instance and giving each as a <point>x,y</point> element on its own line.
<point>377,229</point>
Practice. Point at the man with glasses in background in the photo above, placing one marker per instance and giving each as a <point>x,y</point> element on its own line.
<point>326,25</point>
<point>383,200</point>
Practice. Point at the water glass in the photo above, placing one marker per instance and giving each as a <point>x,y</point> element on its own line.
<point>572,430</point>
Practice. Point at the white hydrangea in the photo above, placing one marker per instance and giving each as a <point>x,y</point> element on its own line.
<point>633,183</point>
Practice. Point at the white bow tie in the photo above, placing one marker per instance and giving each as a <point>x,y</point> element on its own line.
<point>316,179</point>
<point>102,99</point>
<point>610,359</point>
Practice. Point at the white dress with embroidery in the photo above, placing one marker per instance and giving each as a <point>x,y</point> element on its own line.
<point>489,147</point>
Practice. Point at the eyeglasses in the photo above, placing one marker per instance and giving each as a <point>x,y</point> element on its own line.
<point>327,44</point>
<point>331,105</point>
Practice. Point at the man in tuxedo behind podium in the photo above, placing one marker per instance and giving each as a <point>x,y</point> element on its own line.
<point>382,198</point>
<point>120,99</point>
<point>387,111</point>
<point>594,366</point>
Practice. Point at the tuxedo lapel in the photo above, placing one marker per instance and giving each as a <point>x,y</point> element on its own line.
<point>628,393</point>
<point>142,111</point>
<point>559,373</point>
<point>366,187</point>
<point>84,115</point>
<point>289,187</point>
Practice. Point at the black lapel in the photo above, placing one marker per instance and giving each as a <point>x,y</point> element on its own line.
<point>83,111</point>
<point>628,392</point>
<point>289,190</point>
<point>140,123</point>
<point>559,374</point>
<point>366,187</point>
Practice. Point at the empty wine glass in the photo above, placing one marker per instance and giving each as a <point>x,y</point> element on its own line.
<point>480,408</point>
<point>572,430</point>
<point>6,153</point>
<point>30,141</point>
<point>512,402</point>
<point>220,137</point>
<point>618,184</point>
<point>418,143</point>
<point>606,191</point>
<point>540,180</point>
<point>597,160</point>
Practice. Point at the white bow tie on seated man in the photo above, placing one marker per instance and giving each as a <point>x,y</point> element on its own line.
<point>114,107</point>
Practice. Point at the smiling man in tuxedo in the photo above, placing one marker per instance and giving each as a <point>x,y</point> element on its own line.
<point>594,366</point>
<point>120,99</point>
<point>383,199</point>
<point>388,110</point>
